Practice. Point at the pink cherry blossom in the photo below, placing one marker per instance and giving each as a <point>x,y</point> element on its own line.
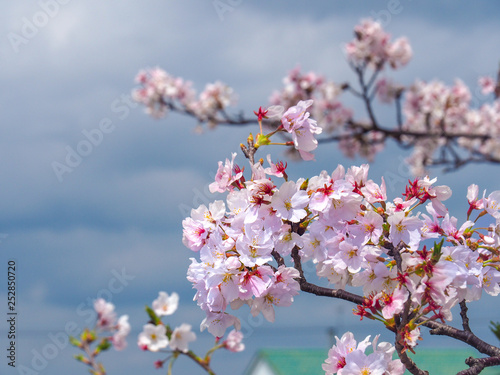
<point>233,341</point>
<point>289,202</point>
<point>487,84</point>
<point>218,322</point>
<point>225,177</point>
<point>297,122</point>
<point>194,234</point>
<point>165,304</point>
<point>394,302</point>
<point>181,337</point>
<point>122,331</point>
<point>106,316</point>
<point>153,337</point>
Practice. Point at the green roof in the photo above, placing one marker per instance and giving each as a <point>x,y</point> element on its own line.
<point>308,361</point>
<point>292,361</point>
<point>447,361</point>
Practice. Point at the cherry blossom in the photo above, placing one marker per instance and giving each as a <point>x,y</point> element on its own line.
<point>303,129</point>
<point>106,316</point>
<point>372,46</point>
<point>224,177</point>
<point>349,357</point>
<point>165,304</point>
<point>233,341</point>
<point>123,329</point>
<point>404,228</point>
<point>289,202</point>
<point>181,337</point>
<point>487,84</point>
<point>153,337</point>
<point>350,223</point>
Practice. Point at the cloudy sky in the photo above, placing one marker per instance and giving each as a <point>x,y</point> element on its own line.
<point>114,215</point>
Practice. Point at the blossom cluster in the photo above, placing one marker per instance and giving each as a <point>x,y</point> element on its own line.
<point>156,335</point>
<point>348,357</point>
<point>296,121</point>
<point>161,91</point>
<point>372,47</point>
<point>235,248</point>
<point>107,322</point>
<point>436,120</point>
<point>108,331</point>
<point>344,224</point>
<point>327,109</point>
<point>435,108</point>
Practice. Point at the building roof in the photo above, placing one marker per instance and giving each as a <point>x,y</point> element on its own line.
<point>308,361</point>
<point>287,361</point>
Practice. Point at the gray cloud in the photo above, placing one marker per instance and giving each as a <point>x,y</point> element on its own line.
<point>122,205</point>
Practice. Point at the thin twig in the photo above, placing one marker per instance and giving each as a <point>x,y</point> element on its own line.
<point>407,361</point>
<point>199,361</point>
<point>478,364</point>
<point>469,338</point>
<point>465,318</point>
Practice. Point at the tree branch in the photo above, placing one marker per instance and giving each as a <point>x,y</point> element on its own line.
<point>407,361</point>
<point>469,338</point>
<point>478,364</point>
<point>465,318</point>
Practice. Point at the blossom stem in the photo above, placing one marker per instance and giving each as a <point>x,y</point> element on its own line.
<point>210,352</point>
<point>199,361</point>
<point>98,368</point>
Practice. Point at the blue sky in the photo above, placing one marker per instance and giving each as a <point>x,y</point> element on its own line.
<point>120,209</point>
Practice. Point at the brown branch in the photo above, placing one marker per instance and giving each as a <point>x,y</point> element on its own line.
<point>399,114</point>
<point>204,364</point>
<point>357,131</point>
<point>469,338</point>
<point>435,327</point>
<point>407,361</point>
<point>397,134</point>
<point>465,318</point>
<point>400,348</point>
<point>474,369</point>
<point>478,364</point>
<point>278,258</point>
<point>98,369</point>
<point>395,252</point>
<point>308,287</point>
<point>497,86</point>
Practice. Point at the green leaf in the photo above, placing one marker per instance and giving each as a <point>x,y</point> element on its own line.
<point>103,345</point>
<point>154,318</point>
<point>436,251</point>
<point>386,227</point>
<point>88,335</point>
<point>262,140</point>
<point>74,341</point>
<point>495,328</point>
<point>304,185</point>
<point>80,357</point>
